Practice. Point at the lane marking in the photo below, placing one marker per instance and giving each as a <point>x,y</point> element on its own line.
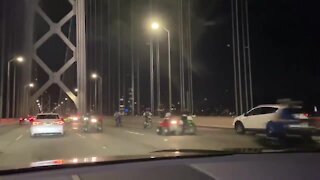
<point>19,137</point>
<point>135,133</point>
<point>82,136</point>
<point>165,139</point>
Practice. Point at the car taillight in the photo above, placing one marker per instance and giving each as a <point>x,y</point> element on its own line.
<point>164,124</point>
<point>36,123</point>
<point>307,115</point>
<point>60,122</point>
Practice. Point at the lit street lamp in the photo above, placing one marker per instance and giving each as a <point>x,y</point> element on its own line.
<point>18,59</point>
<point>31,85</point>
<point>96,77</point>
<point>156,26</point>
<point>76,90</point>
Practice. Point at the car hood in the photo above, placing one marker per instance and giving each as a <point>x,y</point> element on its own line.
<point>239,117</point>
<point>155,155</point>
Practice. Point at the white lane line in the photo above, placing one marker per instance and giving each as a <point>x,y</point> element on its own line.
<point>82,136</point>
<point>19,137</point>
<point>135,133</point>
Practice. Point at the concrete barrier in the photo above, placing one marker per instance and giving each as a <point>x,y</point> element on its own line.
<point>201,121</point>
<point>214,121</point>
<point>7,121</point>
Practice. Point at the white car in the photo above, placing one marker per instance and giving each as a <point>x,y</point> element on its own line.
<point>47,123</point>
<point>274,120</point>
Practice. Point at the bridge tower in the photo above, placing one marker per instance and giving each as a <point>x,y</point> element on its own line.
<point>78,48</point>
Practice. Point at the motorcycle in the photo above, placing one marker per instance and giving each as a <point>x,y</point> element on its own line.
<point>118,122</point>
<point>91,122</point>
<point>147,123</point>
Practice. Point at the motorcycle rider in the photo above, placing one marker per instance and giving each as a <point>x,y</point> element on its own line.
<point>118,117</point>
<point>147,117</point>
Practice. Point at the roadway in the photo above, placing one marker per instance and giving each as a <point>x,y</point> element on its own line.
<point>18,149</point>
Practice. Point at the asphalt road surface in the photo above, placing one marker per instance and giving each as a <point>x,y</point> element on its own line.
<point>18,149</point>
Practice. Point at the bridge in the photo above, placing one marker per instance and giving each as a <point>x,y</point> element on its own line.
<point>78,57</point>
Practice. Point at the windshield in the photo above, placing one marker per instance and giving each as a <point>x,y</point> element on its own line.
<point>127,78</point>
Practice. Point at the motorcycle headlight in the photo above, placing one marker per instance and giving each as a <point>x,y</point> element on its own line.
<point>174,122</point>
<point>94,120</point>
<point>75,118</point>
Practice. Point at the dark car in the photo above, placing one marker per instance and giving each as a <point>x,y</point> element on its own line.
<point>91,122</point>
<point>26,120</point>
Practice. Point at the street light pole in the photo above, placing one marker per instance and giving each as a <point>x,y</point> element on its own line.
<point>19,59</point>
<point>8,89</point>
<point>169,68</point>
<point>14,93</point>
<point>100,95</point>
<point>158,76</point>
<point>97,91</point>
<point>156,26</point>
<point>27,91</point>
<point>151,77</point>
<point>95,95</point>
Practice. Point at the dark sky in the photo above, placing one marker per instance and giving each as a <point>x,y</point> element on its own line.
<point>284,46</point>
<point>284,37</point>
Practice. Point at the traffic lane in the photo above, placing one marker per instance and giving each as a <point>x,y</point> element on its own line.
<point>74,144</point>
<point>9,134</point>
<point>111,142</point>
<point>206,138</point>
<point>221,138</point>
<point>4,128</point>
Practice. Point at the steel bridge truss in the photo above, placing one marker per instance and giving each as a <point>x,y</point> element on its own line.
<point>79,54</point>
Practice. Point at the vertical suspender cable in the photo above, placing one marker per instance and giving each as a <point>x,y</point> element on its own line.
<point>190,59</point>
<point>101,98</point>
<point>244,56</point>
<point>239,57</point>
<point>234,60</point>
<point>2,60</point>
<point>108,61</point>
<point>132,58</point>
<point>249,53</point>
<point>119,50</point>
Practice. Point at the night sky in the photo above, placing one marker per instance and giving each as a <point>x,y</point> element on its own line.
<point>284,46</point>
<point>284,37</point>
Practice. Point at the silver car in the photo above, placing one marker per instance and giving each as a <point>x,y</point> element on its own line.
<point>47,124</point>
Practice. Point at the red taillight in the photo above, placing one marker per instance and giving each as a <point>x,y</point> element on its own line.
<point>307,115</point>
<point>60,122</point>
<point>164,124</point>
<point>36,123</point>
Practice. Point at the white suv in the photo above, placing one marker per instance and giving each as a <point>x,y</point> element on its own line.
<point>274,119</point>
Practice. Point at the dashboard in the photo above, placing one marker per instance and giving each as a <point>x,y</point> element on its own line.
<point>242,166</point>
